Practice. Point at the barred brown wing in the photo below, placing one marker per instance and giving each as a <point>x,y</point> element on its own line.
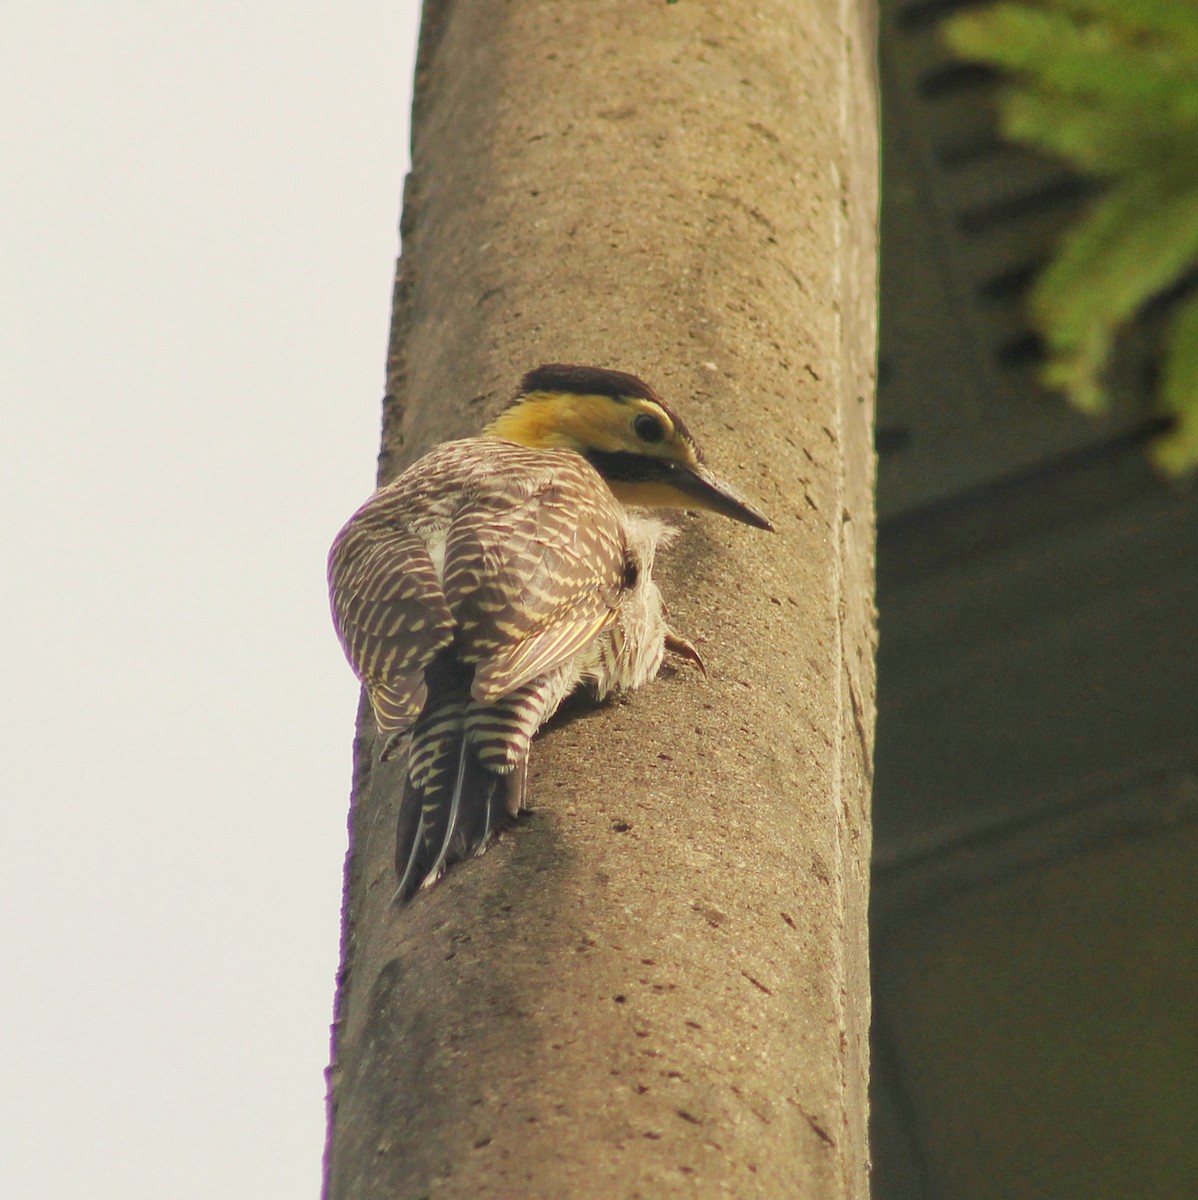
<point>389,611</point>
<point>535,577</point>
<point>513,556</point>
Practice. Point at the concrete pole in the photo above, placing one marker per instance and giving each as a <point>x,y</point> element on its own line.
<point>657,985</point>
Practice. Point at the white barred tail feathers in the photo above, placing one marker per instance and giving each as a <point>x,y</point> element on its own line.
<point>467,761</point>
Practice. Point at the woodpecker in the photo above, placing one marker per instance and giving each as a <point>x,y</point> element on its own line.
<point>498,574</point>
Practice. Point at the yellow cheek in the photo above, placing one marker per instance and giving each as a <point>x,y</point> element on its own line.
<point>589,421</point>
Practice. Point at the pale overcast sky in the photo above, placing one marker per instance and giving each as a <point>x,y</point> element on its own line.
<point>199,207</point>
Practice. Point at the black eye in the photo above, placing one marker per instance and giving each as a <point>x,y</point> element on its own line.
<point>648,427</point>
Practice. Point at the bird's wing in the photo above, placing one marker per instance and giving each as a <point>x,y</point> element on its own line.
<point>389,610</point>
<point>534,578</point>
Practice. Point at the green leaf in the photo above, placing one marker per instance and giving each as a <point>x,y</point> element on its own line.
<point>1096,60</point>
<point>1177,451</point>
<point>1104,140</point>
<point>1174,21</point>
<point>1112,87</point>
<point>1136,240</point>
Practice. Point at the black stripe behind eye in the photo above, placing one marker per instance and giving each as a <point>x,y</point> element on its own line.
<point>629,468</point>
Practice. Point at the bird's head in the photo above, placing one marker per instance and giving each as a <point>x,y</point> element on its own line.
<point>631,437</point>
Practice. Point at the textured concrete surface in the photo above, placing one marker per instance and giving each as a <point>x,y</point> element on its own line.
<point>657,985</point>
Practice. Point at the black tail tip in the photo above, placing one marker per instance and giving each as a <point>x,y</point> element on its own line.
<point>433,834</point>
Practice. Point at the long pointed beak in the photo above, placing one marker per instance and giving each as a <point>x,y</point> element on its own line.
<point>701,486</point>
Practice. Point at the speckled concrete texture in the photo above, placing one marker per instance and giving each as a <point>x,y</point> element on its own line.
<point>657,984</point>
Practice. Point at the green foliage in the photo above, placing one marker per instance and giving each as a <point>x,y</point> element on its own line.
<point>1112,86</point>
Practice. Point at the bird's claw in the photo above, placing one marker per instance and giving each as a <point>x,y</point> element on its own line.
<point>683,648</point>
